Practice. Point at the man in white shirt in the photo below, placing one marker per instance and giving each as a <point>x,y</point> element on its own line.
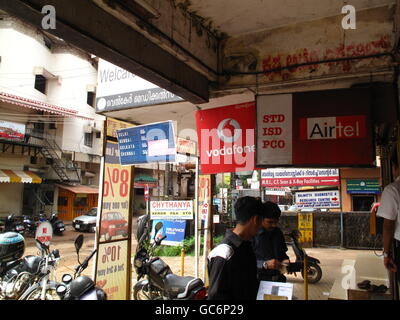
<point>389,209</point>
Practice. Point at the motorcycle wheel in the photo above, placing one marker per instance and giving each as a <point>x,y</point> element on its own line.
<point>36,294</point>
<point>142,292</point>
<point>314,273</point>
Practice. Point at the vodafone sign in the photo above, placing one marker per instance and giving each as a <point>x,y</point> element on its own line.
<point>227,138</point>
<point>315,128</point>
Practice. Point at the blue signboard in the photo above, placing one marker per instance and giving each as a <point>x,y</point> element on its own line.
<point>146,144</point>
<point>173,229</point>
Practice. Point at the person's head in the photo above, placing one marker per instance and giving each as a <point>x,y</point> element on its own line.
<point>272,213</point>
<point>249,214</point>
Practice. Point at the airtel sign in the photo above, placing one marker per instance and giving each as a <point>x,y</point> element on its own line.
<point>315,128</point>
<point>227,138</point>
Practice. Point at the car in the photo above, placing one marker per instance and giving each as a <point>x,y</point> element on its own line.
<point>113,224</point>
<point>86,222</point>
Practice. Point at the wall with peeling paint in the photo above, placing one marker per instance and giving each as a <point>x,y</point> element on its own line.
<point>311,41</point>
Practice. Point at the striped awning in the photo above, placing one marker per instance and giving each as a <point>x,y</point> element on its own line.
<point>19,176</point>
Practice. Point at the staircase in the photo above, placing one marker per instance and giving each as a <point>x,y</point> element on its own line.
<point>49,150</point>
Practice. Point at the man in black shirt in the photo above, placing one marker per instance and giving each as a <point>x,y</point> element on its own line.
<point>232,265</point>
<point>270,246</point>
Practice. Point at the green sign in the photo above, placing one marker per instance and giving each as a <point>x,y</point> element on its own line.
<point>369,186</point>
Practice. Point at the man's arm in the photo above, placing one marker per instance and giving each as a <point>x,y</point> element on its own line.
<point>219,284</point>
<point>388,234</point>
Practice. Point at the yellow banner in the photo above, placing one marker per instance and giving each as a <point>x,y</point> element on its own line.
<point>112,269</point>
<point>305,224</point>
<point>204,195</point>
<point>113,125</point>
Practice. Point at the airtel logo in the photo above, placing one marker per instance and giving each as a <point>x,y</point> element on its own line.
<point>229,130</point>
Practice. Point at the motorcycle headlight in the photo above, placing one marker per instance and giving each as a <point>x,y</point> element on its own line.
<point>66,278</point>
<point>138,263</point>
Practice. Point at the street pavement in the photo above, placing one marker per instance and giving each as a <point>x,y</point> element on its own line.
<point>331,261</point>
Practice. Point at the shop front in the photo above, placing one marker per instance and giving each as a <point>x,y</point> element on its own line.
<point>76,200</point>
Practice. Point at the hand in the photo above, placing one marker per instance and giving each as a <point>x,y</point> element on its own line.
<point>287,261</point>
<point>273,264</point>
<point>389,264</point>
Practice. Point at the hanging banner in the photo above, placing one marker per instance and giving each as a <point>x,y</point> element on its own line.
<point>204,195</point>
<point>147,143</point>
<point>113,257</point>
<point>318,199</point>
<point>227,138</point>
<point>113,125</point>
<point>171,210</point>
<point>363,186</point>
<point>315,128</point>
<point>185,146</point>
<point>118,89</point>
<point>297,177</point>
<point>12,131</point>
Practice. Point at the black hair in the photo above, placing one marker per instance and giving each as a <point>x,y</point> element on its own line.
<point>248,207</point>
<point>271,210</point>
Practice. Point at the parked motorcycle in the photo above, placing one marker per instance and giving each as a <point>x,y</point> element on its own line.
<point>58,225</point>
<point>32,222</point>
<point>314,271</point>
<point>80,287</point>
<point>160,282</point>
<point>12,224</point>
<point>20,278</point>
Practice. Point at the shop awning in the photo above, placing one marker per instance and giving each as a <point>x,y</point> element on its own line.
<point>19,176</point>
<point>80,188</point>
<point>38,105</point>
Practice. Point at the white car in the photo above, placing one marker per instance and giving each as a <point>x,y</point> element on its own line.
<point>86,222</point>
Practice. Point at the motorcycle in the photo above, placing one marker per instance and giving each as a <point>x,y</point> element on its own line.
<point>160,282</point>
<point>24,278</point>
<point>12,224</point>
<point>80,287</point>
<point>58,225</point>
<point>314,271</point>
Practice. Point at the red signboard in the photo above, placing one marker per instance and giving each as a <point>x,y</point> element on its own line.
<point>227,138</point>
<point>315,128</point>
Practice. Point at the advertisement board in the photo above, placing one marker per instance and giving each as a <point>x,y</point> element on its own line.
<point>12,131</point>
<point>185,146</point>
<point>118,89</point>
<point>147,143</point>
<point>363,186</point>
<point>173,229</point>
<point>305,225</point>
<point>113,125</point>
<point>318,199</point>
<point>204,195</point>
<point>315,128</point>
<point>226,138</point>
<point>112,269</point>
<point>299,177</point>
<point>166,210</point>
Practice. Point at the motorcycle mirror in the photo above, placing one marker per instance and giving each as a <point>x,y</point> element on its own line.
<point>78,243</point>
<point>158,226</point>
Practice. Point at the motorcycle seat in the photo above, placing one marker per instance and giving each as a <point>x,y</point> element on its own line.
<point>180,287</point>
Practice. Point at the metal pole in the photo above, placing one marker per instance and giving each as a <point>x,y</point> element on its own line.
<point>182,261</point>
<point>341,229</point>
<point>196,220</point>
<point>305,277</point>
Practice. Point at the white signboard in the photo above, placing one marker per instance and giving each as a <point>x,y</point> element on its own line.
<point>269,290</point>
<point>276,191</point>
<point>274,129</point>
<point>318,199</point>
<point>171,210</point>
<point>118,89</point>
<point>44,233</point>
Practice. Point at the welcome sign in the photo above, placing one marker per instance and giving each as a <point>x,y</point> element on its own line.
<point>315,128</point>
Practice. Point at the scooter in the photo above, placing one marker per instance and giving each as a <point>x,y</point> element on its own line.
<point>80,287</point>
<point>314,271</point>
<point>161,283</point>
<point>58,225</point>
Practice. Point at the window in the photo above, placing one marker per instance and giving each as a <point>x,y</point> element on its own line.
<point>90,98</point>
<point>40,83</point>
<point>80,202</point>
<point>88,139</point>
<point>362,203</point>
<point>62,201</point>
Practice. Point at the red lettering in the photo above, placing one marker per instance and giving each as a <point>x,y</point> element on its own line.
<point>274,144</point>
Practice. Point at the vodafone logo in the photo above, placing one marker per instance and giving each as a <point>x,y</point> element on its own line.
<point>229,130</point>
